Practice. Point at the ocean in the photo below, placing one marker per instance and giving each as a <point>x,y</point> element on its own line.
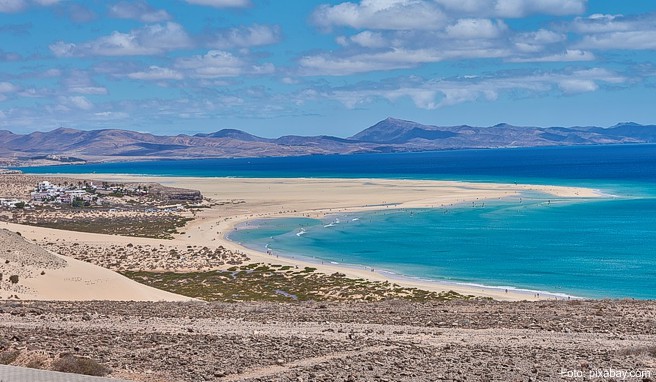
<point>591,248</point>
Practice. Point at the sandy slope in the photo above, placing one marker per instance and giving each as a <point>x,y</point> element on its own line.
<point>47,276</point>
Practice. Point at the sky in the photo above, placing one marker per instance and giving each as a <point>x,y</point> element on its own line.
<point>310,67</point>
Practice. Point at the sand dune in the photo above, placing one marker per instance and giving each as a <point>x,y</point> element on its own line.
<point>41,275</point>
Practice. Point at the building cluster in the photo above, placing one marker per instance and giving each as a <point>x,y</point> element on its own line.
<point>48,192</point>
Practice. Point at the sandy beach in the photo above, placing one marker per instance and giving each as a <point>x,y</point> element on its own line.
<point>243,199</point>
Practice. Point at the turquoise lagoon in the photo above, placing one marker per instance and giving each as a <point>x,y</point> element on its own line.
<point>589,249</point>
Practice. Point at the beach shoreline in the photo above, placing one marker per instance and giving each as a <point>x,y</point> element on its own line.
<point>245,199</point>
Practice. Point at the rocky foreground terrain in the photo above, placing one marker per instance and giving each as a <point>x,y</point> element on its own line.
<point>382,341</point>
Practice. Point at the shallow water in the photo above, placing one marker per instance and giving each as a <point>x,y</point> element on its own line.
<point>589,249</point>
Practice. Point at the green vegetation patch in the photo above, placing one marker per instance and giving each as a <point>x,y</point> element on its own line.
<point>265,282</point>
<point>158,227</point>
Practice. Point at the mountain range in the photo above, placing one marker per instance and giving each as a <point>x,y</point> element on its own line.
<point>389,135</point>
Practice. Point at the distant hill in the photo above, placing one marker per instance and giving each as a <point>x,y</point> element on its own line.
<point>389,135</point>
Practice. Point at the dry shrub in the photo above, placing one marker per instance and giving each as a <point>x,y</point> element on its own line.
<point>8,356</point>
<point>69,363</point>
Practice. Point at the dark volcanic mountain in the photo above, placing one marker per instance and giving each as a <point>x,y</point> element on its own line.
<point>390,135</point>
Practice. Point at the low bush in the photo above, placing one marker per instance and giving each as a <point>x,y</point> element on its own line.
<point>69,363</point>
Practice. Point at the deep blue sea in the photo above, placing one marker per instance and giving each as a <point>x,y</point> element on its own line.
<point>590,248</point>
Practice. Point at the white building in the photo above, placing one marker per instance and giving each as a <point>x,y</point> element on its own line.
<point>10,203</point>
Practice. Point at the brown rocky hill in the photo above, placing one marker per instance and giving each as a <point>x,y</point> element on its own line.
<point>389,135</point>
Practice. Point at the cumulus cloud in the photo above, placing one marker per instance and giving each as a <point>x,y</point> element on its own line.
<point>81,83</point>
<point>401,34</point>
<point>521,8</point>
<point>396,58</point>
<point>607,32</point>
<point>432,14</point>
<point>635,40</point>
<point>436,93</point>
<point>36,93</point>
<point>367,39</point>
<point>221,3</point>
<point>156,73</point>
<point>600,23</point>
<point>138,10</point>
<point>381,14</point>
<point>577,85</point>
<point>149,40</point>
<point>78,102</point>
<point>513,8</point>
<point>569,55</point>
<point>531,42</point>
<point>217,63</point>
<point>243,37</point>
<point>7,87</point>
<point>476,28</point>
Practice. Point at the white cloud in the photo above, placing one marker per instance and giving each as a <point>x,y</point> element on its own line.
<point>437,93</point>
<point>110,115</point>
<point>540,37</point>
<point>401,34</point>
<point>52,73</point>
<point>381,14</point>
<point>246,36</point>
<point>138,10</point>
<point>401,58</point>
<point>607,32</point>
<point>156,73</point>
<point>577,86</point>
<point>149,40</point>
<point>569,55</point>
<point>10,6</point>
<point>7,87</point>
<point>35,93</point>
<point>521,8</point>
<point>634,40</point>
<point>90,90</point>
<point>217,63</point>
<point>221,3</point>
<point>369,39</point>
<point>78,102</point>
<point>476,28</point>
<point>81,83</point>
<point>599,23</point>
<point>431,14</point>
<point>535,42</point>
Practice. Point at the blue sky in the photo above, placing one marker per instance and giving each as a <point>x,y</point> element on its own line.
<point>277,67</point>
